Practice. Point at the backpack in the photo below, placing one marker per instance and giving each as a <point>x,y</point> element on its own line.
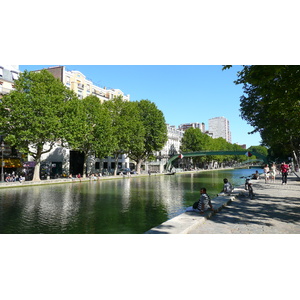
<point>195,205</point>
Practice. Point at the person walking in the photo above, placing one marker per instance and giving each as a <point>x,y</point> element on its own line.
<point>284,168</point>
<point>266,173</point>
<point>273,172</point>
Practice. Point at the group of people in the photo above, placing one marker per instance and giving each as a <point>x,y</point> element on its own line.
<point>204,201</point>
<point>13,177</point>
<point>270,173</point>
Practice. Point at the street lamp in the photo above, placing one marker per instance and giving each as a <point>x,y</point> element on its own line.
<point>2,162</point>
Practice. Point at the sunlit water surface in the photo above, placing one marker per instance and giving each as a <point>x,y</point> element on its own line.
<point>129,205</point>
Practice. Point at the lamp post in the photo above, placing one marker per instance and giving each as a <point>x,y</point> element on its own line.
<point>2,163</point>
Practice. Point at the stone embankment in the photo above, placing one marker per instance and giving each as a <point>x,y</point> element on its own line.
<point>60,181</point>
<point>275,208</point>
<point>70,180</point>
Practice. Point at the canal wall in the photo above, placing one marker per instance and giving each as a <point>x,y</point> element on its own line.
<point>274,209</point>
<point>188,221</point>
<point>62,181</point>
<point>74,180</point>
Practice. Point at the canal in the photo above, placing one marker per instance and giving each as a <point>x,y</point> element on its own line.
<point>128,205</point>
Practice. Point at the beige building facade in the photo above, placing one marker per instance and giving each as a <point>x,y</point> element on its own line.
<point>8,74</point>
<point>172,147</point>
<point>83,87</point>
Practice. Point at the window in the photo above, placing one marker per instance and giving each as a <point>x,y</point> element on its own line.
<point>15,75</point>
<point>97,165</point>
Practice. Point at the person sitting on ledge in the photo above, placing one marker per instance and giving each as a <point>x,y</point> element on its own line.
<point>227,187</point>
<point>202,204</point>
<point>255,175</point>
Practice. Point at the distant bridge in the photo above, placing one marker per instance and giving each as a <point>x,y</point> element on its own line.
<point>205,153</point>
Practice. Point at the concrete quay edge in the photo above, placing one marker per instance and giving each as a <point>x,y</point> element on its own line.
<point>62,181</point>
<point>187,221</point>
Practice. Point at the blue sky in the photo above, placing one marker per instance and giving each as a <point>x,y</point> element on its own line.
<point>184,93</point>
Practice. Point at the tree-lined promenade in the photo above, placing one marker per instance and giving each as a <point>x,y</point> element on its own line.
<point>41,111</point>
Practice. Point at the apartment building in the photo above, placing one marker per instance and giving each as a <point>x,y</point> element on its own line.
<point>172,147</point>
<point>8,74</point>
<point>219,127</point>
<point>82,86</point>
<point>186,126</point>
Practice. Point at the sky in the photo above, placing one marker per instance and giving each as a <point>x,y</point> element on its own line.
<point>184,93</point>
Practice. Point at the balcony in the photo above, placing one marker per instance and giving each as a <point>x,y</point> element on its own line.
<point>4,91</point>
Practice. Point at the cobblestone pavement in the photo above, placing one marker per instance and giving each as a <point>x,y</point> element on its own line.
<point>275,208</point>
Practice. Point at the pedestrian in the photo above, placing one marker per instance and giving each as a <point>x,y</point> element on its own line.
<point>79,177</point>
<point>227,187</point>
<point>266,173</point>
<point>284,168</point>
<point>203,203</point>
<point>273,172</point>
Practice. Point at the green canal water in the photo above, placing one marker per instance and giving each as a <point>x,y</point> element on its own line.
<point>129,205</point>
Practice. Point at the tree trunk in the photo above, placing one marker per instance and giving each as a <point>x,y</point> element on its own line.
<point>138,166</point>
<point>116,164</point>
<point>36,173</point>
<point>84,165</point>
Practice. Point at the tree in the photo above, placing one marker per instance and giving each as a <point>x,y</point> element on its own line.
<point>127,128</point>
<point>259,149</point>
<point>89,128</point>
<point>31,115</point>
<point>153,131</point>
<point>271,104</point>
<point>194,140</point>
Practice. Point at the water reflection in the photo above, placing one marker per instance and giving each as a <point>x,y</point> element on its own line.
<point>129,205</point>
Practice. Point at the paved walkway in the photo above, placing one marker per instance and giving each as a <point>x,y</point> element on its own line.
<point>274,209</point>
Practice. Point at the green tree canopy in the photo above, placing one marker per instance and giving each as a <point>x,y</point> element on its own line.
<point>271,104</point>
<point>31,115</point>
<point>127,129</point>
<point>89,128</point>
<point>194,140</point>
<point>153,131</point>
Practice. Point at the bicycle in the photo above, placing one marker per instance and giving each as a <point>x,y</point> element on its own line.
<point>248,186</point>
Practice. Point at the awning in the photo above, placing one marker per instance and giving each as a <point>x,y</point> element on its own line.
<point>29,164</point>
<point>11,163</point>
